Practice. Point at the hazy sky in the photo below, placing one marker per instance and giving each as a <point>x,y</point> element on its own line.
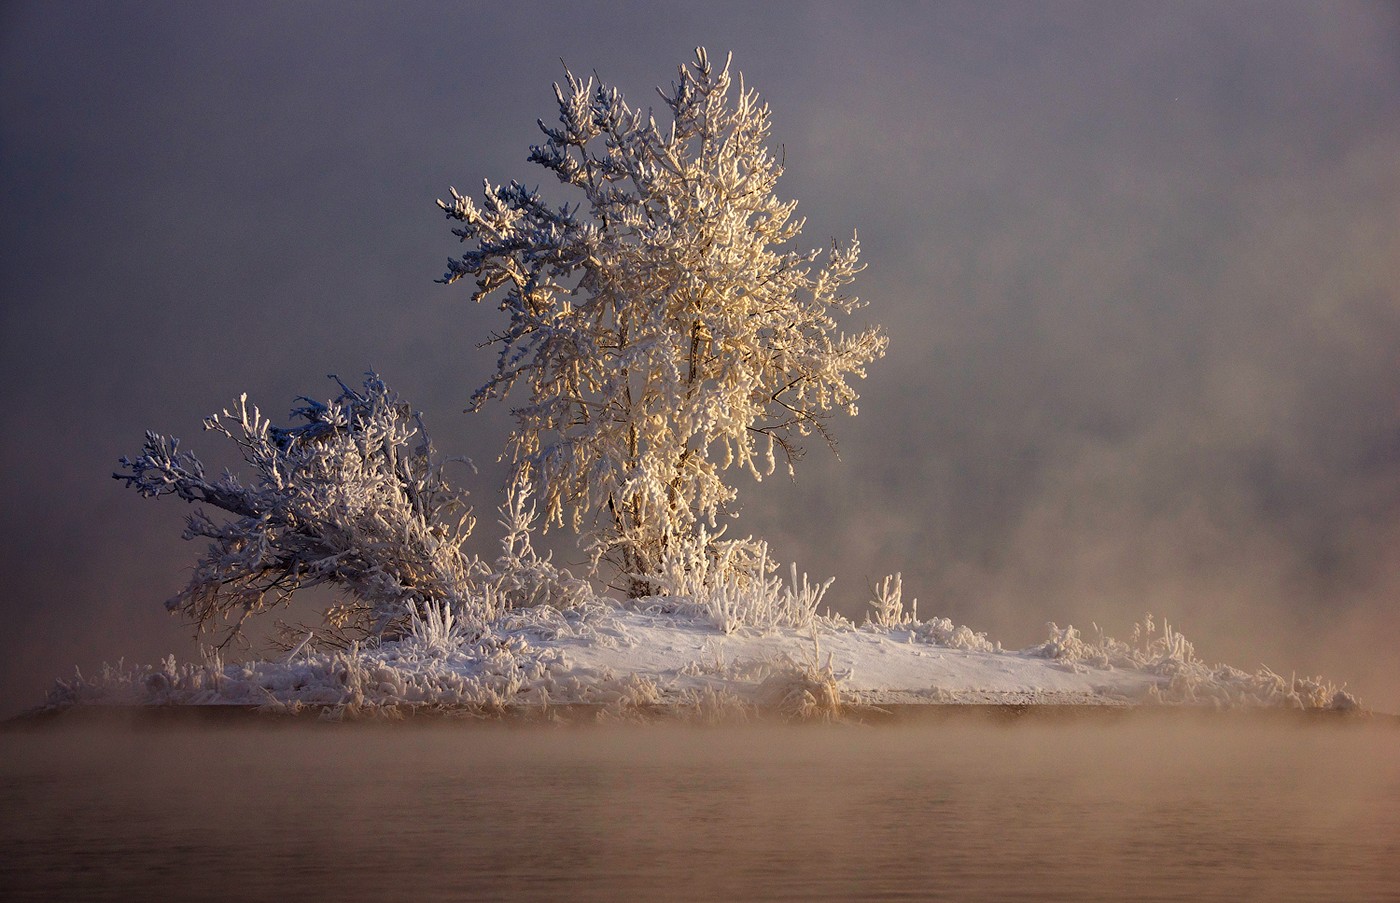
<point>1140,266</point>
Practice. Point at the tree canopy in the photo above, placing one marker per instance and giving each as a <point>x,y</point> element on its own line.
<point>662,325</point>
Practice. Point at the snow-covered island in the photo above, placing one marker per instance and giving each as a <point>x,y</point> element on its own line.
<point>666,336</point>
<point>671,658</point>
<point>354,497</point>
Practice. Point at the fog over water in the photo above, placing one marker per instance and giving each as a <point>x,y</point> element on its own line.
<point>1146,809</point>
<point>1140,266</point>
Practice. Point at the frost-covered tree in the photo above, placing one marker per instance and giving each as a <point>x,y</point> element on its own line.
<point>351,496</point>
<point>661,321</point>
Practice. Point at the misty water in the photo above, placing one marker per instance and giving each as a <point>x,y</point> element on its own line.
<point>1146,809</point>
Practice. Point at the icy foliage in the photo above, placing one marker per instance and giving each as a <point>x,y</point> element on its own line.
<point>711,707</point>
<point>887,613</point>
<point>888,604</point>
<point>1185,677</point>
<point>690,565</point>
<point>1145,648</point>
<point>435,628</point>
<point>521,577</point>
<point>352,496</point>
<point>662,325</point>
<point>436,663</point>
<point>730,583</point>
<point>943,632</point>
<point>806,689</point>
<point>393,674</point>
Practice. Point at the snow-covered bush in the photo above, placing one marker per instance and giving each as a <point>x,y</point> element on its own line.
<point>662,325</point>
<point>352,496</point>
<point>943,632</point>
<point>888,604</point>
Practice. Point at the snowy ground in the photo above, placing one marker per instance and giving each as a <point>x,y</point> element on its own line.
<point>870,665</point>
<point>665,655</point>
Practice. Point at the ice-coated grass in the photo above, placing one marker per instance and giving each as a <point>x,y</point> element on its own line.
<point>1185,678</point>
<point>731,585</point>
<point>435,629</point>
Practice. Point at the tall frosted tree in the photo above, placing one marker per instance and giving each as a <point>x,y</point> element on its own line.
<point>661,322</point>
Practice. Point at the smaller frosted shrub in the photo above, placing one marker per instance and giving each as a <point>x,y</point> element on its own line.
<point>943,632</point>
<point>797,605</point>
<point>352,496</point>
<point>888,604</point>
<point>521,577</point>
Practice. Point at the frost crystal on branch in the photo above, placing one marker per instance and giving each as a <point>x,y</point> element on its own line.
<point>351,496</point>
<point>663,327</point>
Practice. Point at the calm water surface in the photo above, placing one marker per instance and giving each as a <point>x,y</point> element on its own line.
<point>1165,810</point>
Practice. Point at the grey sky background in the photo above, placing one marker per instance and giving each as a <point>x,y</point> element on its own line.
<point>1140,266</point>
